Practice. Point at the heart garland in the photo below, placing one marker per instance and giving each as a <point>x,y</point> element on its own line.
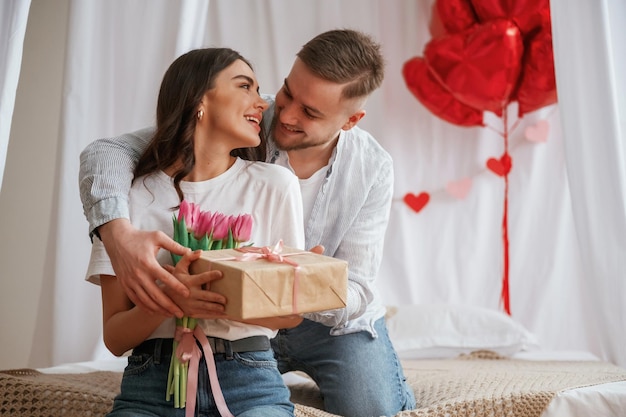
<point>459,189</point>
<point>536,133</point>
<point>484,55</point>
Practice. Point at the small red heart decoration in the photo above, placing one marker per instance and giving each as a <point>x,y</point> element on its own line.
<point>502,166</point>
<point>417,202</point>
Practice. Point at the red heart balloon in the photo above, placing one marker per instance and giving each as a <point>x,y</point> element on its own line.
<point>502,166</point>
<point>435,25</point>
<point>417,202</point>
<point>527,14</point>
<point>455,15</point>
<point>479,66</point>
<point>537,87</point>
<point>435,97</point>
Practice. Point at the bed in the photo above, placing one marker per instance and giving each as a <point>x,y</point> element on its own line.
<point>460,361</point>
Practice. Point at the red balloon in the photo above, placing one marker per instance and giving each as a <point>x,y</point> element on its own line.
<point>455,15</point>
<point>527,14</point>
<point>435,25</point>
<point>537,87</point>
<point>479,66</point>
<point>425,87</point>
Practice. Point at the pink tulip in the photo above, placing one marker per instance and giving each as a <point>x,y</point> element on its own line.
<point>242,228</point>
<point>184,210</point>
<point>190,212</point>
<point>220,226</point>
<point>204,226</point>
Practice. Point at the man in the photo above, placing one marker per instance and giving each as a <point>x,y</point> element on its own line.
<point>346,179</point>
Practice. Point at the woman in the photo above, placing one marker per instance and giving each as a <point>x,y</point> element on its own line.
<point>208,119</point>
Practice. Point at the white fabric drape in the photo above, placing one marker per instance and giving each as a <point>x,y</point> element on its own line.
<point>592,92</point>
<point>13,19</point>
<point>564,263</point>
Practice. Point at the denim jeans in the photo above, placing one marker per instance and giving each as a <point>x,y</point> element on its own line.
<point>250,382</point>
<point>358,375</point>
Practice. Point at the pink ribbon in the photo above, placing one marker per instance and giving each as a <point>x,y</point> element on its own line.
<point>252,253</point>
<point>187,351</point>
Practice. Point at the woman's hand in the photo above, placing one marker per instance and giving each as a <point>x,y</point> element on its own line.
<point>201,302</point>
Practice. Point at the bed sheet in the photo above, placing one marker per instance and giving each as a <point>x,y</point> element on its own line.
<point>600,400</point>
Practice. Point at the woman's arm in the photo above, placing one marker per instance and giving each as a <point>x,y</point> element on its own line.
<point>126,325</point>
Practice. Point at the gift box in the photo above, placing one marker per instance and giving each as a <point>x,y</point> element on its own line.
<point>261,282</point>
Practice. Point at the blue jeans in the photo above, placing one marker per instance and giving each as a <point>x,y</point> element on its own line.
<point>250,382</point>
<point>357,375</point>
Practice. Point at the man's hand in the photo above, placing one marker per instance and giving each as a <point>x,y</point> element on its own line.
<point>133,257</point>
<point>319,249</point>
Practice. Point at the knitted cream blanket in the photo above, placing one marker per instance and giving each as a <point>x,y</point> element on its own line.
<point>484,384</point>
<point>477,385</point>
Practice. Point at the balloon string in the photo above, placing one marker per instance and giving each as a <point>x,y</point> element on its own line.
<point>505,221</point>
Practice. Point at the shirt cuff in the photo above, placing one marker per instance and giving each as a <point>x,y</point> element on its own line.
<point>106,210</point>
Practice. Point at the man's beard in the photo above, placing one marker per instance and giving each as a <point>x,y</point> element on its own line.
<point>292,147</point>
<point>279,145</point>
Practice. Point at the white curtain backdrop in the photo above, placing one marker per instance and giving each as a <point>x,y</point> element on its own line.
<point>567,214</point>
<point>592,90</point>
<point>13,18</point>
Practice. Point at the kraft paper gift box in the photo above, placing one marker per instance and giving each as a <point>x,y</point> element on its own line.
<point>260,287</point>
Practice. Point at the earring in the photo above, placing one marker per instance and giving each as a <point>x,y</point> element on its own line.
<point>200,114</point>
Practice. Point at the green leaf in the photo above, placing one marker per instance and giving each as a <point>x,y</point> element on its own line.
<point>183,235</point>
<point>230,242</point>
<point>193,242</point>
<point>204,243</point>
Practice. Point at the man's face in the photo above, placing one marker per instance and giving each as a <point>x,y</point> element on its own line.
<point>309,111</point>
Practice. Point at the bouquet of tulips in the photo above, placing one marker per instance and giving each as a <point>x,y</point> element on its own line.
<point>202,230</point>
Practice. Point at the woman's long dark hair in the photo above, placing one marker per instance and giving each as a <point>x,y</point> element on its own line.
<point>184,84</point>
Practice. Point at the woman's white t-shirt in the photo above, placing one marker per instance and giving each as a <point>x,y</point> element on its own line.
<point>269,193</point>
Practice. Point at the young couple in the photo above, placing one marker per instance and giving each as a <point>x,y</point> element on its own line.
<point>209,117</point>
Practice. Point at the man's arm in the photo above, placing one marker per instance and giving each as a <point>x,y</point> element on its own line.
<point>105,178</point>
<point>362,247</point>
<point>106,174</point>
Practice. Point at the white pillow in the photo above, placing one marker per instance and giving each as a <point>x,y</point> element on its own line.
<point>446,330</point>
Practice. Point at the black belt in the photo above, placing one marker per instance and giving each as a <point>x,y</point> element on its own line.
<point>247,344</point>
